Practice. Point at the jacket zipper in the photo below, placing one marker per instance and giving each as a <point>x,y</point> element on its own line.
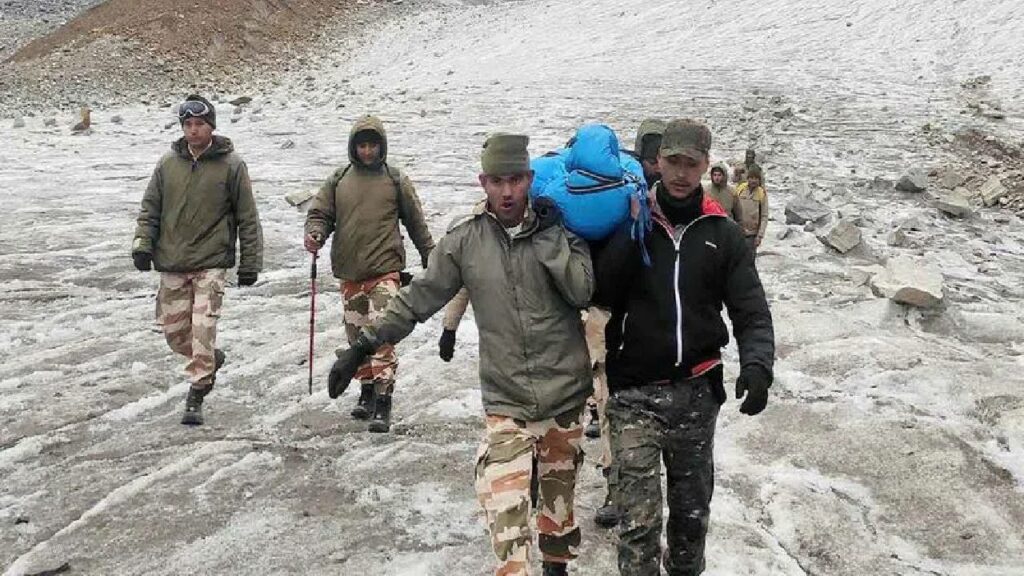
<point>678,242</point>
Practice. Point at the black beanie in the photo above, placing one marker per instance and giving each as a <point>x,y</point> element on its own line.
<point>210,118</point>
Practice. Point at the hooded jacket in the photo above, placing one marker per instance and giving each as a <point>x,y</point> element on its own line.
<point>671,323</point>
<point>194,211</point>
<point>362,206</point>
<point>754,207</point>
<point>527,292</point>
<point>725,194</point>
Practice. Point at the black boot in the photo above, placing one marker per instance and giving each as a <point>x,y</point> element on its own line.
<point>193,415</point>
<point>381,415</point>
<point>608,516</point>
<point>593,429</point>
<point>365,404</point>
<point>555,569</point>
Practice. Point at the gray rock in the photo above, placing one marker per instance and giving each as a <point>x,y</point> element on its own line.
<point>19,122</point>
<point>990,327</point>
<point>116,120</point>
<point>843,237</point>
<point>50,122</point>
<point>992,191</point>
<point>287,145</point>
<point>952,179</point>
<point>807,210</point>
<point>170,125</point>
<point>299,197</point>
<point>237,110</point>
<point>897,238</point>
<point>909,281</point>
<point>240,100</point>
<point>914,180</point>
<point>955,205</point>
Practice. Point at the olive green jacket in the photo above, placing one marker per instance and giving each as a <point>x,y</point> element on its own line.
<point>194,211</point>
<point>362,206</point>
<point>527,292</point>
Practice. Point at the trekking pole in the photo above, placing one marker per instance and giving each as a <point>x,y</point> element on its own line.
<point>312,318</point>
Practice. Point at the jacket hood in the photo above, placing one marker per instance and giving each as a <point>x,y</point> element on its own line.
<point>647,127</point>
<point>373,124</point>
<point>725,170</point>
<point>221,146</point>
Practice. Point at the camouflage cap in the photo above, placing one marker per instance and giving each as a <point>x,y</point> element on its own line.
<point>505,154</point>
<point>687,137</point>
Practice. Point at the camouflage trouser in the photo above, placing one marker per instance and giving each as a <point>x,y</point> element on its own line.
<point>187,307</point>
<point>365,302</point>
<point>595,321</point>
<point>503,473</point>
<point>675,422</point>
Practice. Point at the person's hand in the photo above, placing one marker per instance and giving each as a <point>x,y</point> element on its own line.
<point>247,278</point>
<point>548,214</point>
<point>446,345</point>
<point>143,261</point>
<point>754,381</point>
<point>312,242</point>
<point>345,367</point>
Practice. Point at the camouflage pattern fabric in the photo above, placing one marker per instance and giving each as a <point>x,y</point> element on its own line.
<point>503,474</point>
<point>595,321</point>
<point>675,422</point>
<point>188,306</point>
<point>365,303</point>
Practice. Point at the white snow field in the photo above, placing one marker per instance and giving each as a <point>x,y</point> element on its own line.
<point>894,439</point>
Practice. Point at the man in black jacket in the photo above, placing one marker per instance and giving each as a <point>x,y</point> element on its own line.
<point>665,376</point>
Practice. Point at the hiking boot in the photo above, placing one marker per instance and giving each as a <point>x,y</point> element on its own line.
<point>365,404</point>
<point>593,429</point>
<point>608,516</point>
<point>381,415</point>
<point>218,360</point>
<point>193,415</point>
<point>555,569</point>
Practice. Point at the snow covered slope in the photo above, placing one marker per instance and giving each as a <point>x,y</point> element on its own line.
<point>894,440</point>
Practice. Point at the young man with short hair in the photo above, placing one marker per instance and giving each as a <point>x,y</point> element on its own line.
<point>198,203</point>
<point>362,204</point>
<point>666,376</point>
<point>527,278</point>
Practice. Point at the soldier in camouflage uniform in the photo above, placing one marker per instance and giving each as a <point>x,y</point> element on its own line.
<point>199,201</point>
<point>527,278</point>
<point>665,375</point>
<point>362,204</point>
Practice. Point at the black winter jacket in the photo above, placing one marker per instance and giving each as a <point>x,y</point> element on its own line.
<point>671,325</point>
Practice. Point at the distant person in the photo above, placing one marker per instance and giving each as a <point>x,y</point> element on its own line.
<point>753,202</point>
<point>723,193</point>
<point>527,278</point>
<point>362,203</point>
<point>199,203</point>
<point>648,139</point>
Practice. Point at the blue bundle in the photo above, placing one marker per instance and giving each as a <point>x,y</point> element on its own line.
<point>592,182</point>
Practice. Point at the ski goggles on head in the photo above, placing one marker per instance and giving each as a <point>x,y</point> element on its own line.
<point>192,108</point>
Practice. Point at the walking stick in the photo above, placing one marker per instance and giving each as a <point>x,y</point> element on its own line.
<point>312,317</point>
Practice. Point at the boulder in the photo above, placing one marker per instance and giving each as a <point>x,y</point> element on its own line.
<point>19,122</point>
<point>909,281</point>
<point>954,204</point>
<point>804,210</point>
<point>843,237</point>
<point>240,100</point>
<point>992,191</point>
<point>299,197</point>
<point>952,179</point>
<point>116,120</point>
<point>914,180</point>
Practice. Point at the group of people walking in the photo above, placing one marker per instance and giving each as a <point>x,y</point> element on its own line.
<point>555,316</point>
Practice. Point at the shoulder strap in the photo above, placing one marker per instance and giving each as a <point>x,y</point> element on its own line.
<point>398,187</point>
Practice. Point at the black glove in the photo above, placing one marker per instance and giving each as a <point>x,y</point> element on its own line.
<point>754,381</point>
<point>346,365</point>
<point>247,279</point>
<point>404,278</point>
<point>143,261</point>
<point>548,214</point>
<point>446,345</point>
